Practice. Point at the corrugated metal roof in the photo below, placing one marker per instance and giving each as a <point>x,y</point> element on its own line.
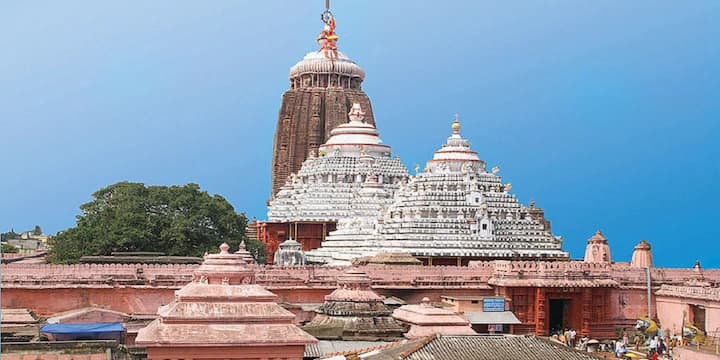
<point>497,317</point>
<point>482,347</point>
<point>323,347</point>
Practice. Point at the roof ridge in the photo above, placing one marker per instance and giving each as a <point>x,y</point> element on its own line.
<point>420,344</point>
<point>367,349</point>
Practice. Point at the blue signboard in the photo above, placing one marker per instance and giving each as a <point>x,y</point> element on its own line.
<point>493,304</point>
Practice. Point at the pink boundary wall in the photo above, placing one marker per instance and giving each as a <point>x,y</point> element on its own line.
<point>48,289</point>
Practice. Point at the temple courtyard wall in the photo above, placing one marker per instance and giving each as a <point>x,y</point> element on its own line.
<point>601,298</point>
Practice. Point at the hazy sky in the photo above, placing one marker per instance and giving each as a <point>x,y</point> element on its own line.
<point>606,113</point>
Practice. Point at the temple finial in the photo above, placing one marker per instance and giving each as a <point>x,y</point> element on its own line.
<point>327,39</point>
<point>456,124</point>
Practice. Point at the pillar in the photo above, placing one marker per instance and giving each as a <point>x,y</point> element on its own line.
<point>540,304</point>
<point>586,310</point>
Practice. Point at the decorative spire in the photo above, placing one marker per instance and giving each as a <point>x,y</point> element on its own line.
<point>327,39</point>
<point>456,125</point>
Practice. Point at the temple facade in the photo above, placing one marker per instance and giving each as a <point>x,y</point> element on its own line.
<point>452,212</point>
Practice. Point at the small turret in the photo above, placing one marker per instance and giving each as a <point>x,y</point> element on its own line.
<point>290,254</point>
<point>642,256</point>
<point>597,250</point>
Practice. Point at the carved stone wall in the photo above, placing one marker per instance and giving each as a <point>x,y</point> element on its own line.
<point>307,115</point>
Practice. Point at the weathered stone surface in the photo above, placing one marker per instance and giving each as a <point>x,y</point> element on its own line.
<point>322,91</point>
<point>355,312</point>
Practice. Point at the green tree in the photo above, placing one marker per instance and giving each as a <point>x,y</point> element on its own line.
<point>7,248</point>
<point>176,220</point>
<point>37,230</point>
<point>9,235</point>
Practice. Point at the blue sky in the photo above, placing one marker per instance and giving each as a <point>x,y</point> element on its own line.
<point>606,113</point>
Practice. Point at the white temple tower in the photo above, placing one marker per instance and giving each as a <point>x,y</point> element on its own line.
<point>453,212</point>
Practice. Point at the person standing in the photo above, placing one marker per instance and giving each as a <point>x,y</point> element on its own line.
<point>573,333</point>
<point>638,342</point>
<point>661,347</point>
<point>654,344</point>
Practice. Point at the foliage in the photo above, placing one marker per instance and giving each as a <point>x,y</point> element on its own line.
<point>7,248</point>
<point>176,220</point>
<point>37,230</point>
<point>9,235</point>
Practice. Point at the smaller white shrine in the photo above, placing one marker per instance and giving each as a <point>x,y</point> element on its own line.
<point>351,178</point>
<point>454,209</point>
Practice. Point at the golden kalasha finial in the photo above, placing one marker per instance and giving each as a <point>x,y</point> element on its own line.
<point>456,124</point>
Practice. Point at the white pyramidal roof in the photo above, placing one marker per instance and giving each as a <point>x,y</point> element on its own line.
<point>352,164</point>
<point>355,138</point>
<point>455,208</point>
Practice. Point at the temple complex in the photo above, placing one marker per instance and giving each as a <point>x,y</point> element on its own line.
<point>355,312</point>
<point>452,212</point>
<point>340,198</point>
<point>222,313</point>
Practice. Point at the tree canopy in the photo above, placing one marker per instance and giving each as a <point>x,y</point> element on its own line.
<point>176,220</point>
<point>9,235</point>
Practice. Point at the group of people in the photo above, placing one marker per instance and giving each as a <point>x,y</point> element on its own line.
<point>568,337</point>
<point>657,346</point>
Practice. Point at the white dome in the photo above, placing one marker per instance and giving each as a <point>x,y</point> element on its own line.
<point>456,155</point>
<point>316,63</point>
<point>355,138</point>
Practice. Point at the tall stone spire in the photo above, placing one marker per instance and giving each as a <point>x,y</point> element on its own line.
<point>323,87</point>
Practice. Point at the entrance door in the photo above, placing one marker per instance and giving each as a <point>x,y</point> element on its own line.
<point>558,315</point>
<point>698,317</point>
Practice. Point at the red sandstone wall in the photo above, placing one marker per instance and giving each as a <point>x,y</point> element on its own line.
<point>7,356</point>
<point>49,301</point>
<point>49,289</point>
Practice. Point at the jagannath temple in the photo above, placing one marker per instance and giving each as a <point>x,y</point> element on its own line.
<point>350,198</point>
<point>364,261</point>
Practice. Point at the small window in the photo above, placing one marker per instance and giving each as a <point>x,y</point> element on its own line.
<point>474,302</point>
<point>484,226</point>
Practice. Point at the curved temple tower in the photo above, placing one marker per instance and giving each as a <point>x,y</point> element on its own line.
<point>323,87</point>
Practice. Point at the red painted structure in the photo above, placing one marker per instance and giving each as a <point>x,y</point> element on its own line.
<point>308,234</point>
